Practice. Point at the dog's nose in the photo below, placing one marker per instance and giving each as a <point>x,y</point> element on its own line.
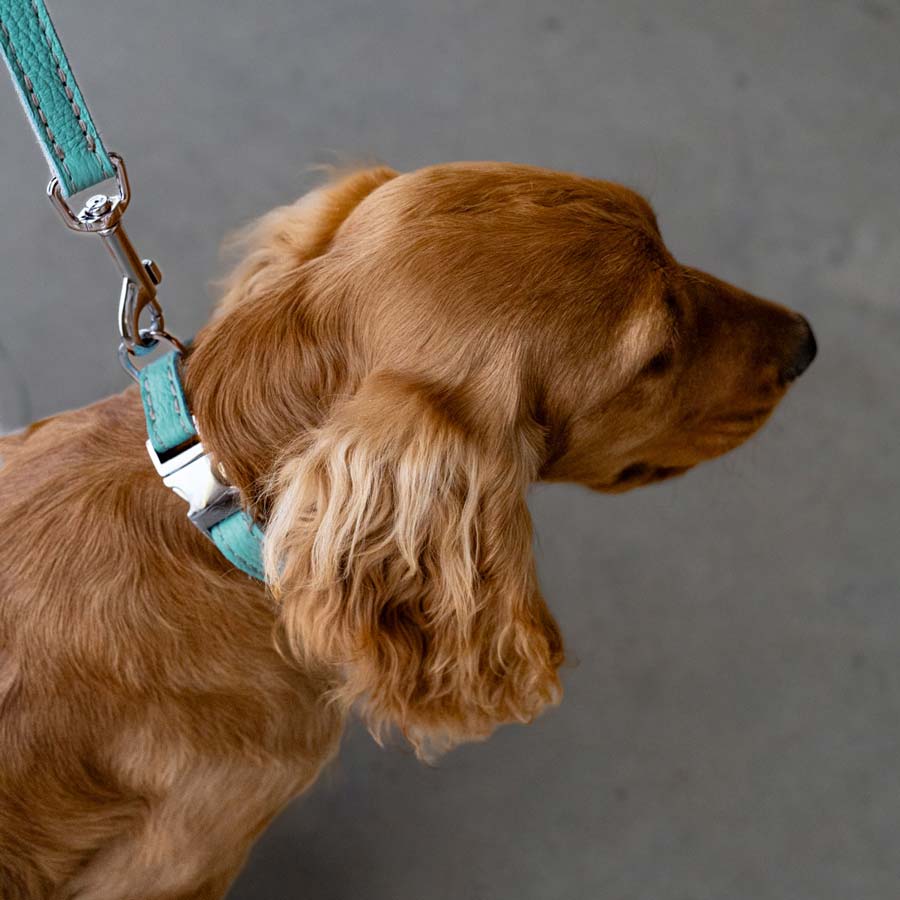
<point>803,355</point>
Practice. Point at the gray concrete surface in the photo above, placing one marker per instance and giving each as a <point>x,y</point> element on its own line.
<point>732,728</point>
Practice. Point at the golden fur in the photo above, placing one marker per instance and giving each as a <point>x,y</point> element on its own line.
<point>394,361</point>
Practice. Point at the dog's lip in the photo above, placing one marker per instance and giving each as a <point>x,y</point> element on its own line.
<point>738,418</point>
<point>669,471</point>
<point>647,474</point>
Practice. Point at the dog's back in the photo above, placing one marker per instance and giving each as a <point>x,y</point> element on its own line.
<point>48,783</point>
<point>131,684</point>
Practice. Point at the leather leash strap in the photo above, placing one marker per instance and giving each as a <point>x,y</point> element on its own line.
<point>50,96</point>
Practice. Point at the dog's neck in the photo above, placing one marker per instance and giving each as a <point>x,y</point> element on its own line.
<point>253,397</point>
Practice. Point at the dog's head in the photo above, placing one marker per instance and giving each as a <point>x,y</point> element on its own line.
<point>399,356</point>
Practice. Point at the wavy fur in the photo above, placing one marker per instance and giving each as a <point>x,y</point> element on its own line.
<point>400,550</point>
<point>395,359</point>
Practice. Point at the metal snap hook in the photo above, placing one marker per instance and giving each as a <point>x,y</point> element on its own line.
<point>102,215</point>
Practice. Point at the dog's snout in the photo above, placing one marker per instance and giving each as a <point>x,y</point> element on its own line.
<point>803,354</point>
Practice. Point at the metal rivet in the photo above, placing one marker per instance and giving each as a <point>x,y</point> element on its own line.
<point>96,206</point>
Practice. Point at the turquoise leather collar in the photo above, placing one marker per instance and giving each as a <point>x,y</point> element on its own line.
<point>175,448</point>
<point>50,96</point>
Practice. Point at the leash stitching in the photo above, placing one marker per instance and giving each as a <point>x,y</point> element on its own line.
<point>150,412</point>
<point>88,139</point>
<point>176,399</point>
<point>29,87</point>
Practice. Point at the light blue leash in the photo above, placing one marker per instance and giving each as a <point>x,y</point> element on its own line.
<point>78,161</point>
<point>50,96</point>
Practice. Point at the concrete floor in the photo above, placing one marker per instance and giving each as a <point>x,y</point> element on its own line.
<point>732,727</point>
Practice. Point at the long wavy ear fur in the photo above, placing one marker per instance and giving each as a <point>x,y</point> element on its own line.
<point>400,550</point>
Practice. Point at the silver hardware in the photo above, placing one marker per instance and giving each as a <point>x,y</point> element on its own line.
<point>151,336</point>
<point>102,215</point>
<point>97,206</point>
<point>190,475</point>
<point>153,270</point>
<point>90,219</point>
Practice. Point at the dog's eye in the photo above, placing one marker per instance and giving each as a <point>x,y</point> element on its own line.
<point>659,364</point>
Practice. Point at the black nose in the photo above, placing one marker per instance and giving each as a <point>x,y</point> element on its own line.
<point>804,354</point>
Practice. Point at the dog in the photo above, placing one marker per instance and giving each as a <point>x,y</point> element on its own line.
<point>393,361</point>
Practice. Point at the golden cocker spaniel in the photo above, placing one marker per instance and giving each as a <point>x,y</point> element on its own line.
<point>394,361</point>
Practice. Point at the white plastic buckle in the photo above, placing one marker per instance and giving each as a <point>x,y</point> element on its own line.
<point>190,474</point>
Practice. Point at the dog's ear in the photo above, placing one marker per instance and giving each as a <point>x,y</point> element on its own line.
<point>400,551</point>
<point>269,322</point>
<point>288,236</point>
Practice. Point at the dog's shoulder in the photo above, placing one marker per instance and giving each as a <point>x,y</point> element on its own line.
<point>114,423</point>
